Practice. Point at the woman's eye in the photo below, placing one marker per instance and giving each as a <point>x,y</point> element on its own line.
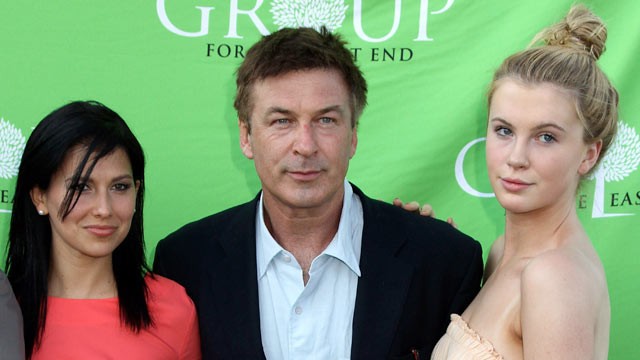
<point>502,131</point>
<point>80,187</point>
<point>546,138</point>
<point>121,187</point>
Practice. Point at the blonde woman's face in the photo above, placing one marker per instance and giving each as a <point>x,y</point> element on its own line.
<point>535,148</point>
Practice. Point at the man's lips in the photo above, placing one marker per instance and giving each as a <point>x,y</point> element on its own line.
<point>304,175</point>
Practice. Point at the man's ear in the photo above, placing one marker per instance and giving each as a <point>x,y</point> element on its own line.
<point>590,157</point>
<point>354,141</point>
<point>39,199</point>
<point>245,138</point>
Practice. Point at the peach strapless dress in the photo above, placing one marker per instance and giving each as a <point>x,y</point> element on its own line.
<point>460,342</point>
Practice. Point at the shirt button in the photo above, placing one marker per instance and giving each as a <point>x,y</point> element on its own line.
<point>298,310</point>
<point>286,258</point>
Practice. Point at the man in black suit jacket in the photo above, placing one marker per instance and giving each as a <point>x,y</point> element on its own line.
<point>299,98</point>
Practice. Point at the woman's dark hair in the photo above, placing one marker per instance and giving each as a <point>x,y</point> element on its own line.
<point>100,131</point>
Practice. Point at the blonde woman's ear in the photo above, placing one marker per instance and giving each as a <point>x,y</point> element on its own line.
<point>591,157</point>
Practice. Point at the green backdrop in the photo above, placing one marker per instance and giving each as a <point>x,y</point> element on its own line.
<point>167,67</point>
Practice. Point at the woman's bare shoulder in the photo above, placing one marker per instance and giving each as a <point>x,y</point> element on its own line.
<point>569,268</point>
<point>564,299</point>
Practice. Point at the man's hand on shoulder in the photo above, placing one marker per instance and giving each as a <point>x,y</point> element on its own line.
<point>423,210</point>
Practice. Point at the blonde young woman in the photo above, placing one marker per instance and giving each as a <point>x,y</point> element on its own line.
<point>552,116</point>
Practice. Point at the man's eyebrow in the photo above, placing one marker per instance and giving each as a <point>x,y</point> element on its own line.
<point>277,109</point>
<point>281,110</point>
<point>337,108</point>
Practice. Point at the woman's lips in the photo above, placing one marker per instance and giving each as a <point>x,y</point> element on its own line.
<point>101,230</point>
<point>514,184</point>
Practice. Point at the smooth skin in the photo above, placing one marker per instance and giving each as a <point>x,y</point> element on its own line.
<point>545,295</point>
<point>82,244</point>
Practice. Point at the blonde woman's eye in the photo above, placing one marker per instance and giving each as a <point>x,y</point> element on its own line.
<point>546,138</point>
<point>502,131</point>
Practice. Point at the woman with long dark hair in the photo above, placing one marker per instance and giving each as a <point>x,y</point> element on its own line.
<point>76,257</point>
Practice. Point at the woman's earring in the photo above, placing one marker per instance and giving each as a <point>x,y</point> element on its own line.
<point>40,212</point>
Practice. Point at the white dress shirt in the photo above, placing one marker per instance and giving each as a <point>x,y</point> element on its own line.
<point>313,321</point>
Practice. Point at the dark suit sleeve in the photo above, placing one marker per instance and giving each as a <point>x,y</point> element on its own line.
<point>177,257</point>
<point>214,260</point>
<point>158,262</point>
<point>164,261</point>
<point>470,285</point>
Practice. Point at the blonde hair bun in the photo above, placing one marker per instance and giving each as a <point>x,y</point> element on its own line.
<point>580,29</point>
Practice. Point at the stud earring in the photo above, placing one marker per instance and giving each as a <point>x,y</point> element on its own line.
<point>40,212</point>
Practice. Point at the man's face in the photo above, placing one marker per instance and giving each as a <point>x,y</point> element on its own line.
<point>301,139</point>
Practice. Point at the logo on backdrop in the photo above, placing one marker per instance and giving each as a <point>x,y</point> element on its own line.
<point>12,144</point>
<point>622,159</point>
<point>307,13</point>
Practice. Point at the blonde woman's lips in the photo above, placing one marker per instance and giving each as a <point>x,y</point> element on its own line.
<point>514,185</point>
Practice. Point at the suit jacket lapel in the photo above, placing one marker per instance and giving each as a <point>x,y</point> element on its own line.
<point>234,286</point>
<point>383,287</point>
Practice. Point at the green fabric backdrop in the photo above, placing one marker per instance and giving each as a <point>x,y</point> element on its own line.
<point>167,67</point>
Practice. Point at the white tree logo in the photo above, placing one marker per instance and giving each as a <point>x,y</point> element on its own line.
<point>308,13</point>
<point>11,147</point>
<point>621,160</point>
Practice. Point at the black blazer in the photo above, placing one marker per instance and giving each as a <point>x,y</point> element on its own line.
<point>415,272</point>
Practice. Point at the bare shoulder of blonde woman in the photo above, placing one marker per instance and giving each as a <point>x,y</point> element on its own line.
<point>565,310</point>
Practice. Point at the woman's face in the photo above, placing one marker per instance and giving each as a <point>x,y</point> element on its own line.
<point>101,218</point>
<point>535,148</point>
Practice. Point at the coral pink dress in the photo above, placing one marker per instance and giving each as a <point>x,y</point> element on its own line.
<point>91,329</point>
